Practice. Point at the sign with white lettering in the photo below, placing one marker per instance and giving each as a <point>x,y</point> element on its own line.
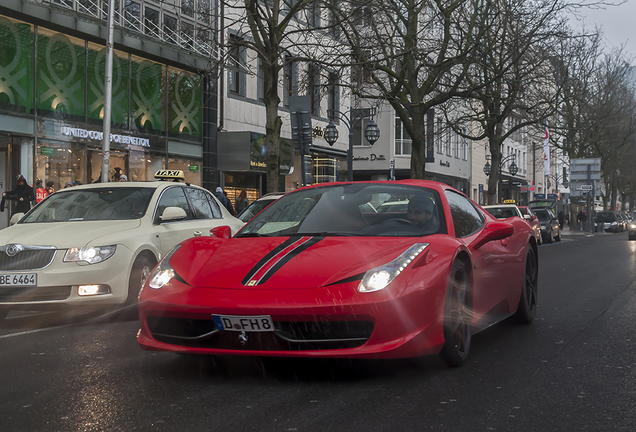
<point>99,136</point>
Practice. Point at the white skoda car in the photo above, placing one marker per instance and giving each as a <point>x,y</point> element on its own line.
<point>96,244</point>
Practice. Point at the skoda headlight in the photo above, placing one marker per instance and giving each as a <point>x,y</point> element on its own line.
<point>163,273</point>
<point>380,277</point>
<point>89,254</point>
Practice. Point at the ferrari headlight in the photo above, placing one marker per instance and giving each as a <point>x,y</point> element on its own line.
<point>380,277</point>
<point>89,254</point>
<point>163,273</point>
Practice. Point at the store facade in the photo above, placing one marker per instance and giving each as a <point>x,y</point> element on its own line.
<point>52,106</point>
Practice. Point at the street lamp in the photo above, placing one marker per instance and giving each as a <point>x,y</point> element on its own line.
<point>513,170</point>
<point>371,132</point>
<point>556,179</point>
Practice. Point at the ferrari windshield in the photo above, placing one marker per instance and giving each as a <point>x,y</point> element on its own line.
<point>102,203</point>
<point>349,210</point>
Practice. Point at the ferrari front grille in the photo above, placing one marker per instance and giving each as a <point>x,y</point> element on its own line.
<point>26,260</point>
<point>289,336</point>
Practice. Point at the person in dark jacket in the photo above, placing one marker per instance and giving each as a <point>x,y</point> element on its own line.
<point>23,194</point>
<point>223,199</point>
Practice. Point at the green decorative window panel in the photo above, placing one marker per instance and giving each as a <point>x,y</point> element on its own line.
<point>60,73</point>
<point>96,68</point>
<point>16,66</point>
<point>185,104</point>
<point>147,95</point>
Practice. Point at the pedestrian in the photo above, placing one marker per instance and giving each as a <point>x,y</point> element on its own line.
<point>223,199</point>
<point>23,194</point>
<point>40,192</point>
<point>123,178</point>
<point>49,187</point>
<point>581,217</point>
<point>230,207</point>
<point>241,202</point>
<point>68,184</point>
<point>561,218</point>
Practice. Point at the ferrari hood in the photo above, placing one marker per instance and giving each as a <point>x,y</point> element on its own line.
<point>63,235</point>
<point>282,262</point>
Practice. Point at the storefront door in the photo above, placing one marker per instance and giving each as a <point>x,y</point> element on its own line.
<point>117,165</point>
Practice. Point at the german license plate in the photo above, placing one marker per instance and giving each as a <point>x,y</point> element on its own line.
<point>18,279</point>
<point>262,323</point>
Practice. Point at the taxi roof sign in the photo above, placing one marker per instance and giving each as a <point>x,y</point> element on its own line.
<point>170,174</point>
<point>509,201</point>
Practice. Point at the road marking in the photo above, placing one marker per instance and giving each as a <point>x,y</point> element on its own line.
<point>32,331</point>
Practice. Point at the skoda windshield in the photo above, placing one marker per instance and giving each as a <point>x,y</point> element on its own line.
<point>349,210</point>
<point>102,203</point>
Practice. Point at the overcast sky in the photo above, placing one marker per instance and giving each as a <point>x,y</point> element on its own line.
<point>617,23</point>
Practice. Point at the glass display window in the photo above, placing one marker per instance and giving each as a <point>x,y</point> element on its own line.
<point>61,162</point>
<point>190,167</point>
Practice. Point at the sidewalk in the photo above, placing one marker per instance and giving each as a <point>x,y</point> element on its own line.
<point>566,232</point>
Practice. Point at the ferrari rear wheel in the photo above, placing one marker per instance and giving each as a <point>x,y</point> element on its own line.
<point>457,317</point>
<point>528,302</point>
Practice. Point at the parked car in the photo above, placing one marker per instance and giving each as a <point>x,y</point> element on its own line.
<point>316,274</point>
<point>622,219</point>
<point>550,229</point>
<point>609,220</point>
<point>632,230</point>
<point>95,245</point>
<point>255,208</point>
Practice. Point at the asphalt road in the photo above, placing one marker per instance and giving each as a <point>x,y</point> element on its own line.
<point>573,369</point>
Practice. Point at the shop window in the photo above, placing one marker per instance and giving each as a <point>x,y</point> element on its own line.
<point>96,66</point>
<point>186,97</point>
<point>191,168</point>
<point>147,97</point>
<point>61,75</point>
<point>60,163</point>
<point>16,88</point>
<point>403,142</point>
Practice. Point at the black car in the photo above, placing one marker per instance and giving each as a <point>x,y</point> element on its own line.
<point>550,228</point>
<point>610,221</point>
<point>631,228</point>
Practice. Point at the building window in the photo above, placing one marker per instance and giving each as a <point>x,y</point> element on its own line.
<point>362,15</point>
<point>105,10</point>
<point>455,145</point>
<point>170,29</point>
<point>438,137</point>
<point>236,75</point>
<point>447,142</point>
<point>403,142</point>
<point>87,6</point>
<point>132,15</point>
<point>187,7</point>
<point>334,26</point>
<point>333,97</point>
<point>187,35</point>
<point>358,130</point>
<point>313,13</point>
<point>464,149</point>
<point>313,89</point>
<point>260,78</point>
<point>203,11</point>
<point>151,21</point>
<point>290,79</point>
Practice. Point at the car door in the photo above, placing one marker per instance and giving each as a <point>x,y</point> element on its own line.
<point>171,233</point>
<point>494,262</point>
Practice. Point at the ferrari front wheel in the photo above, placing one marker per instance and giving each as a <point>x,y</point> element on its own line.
<point>528,302</point>
<point>457,317</point>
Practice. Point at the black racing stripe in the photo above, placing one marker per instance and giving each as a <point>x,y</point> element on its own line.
<point>309,243</point>
<point>357,277</point>
<point>267,257</point>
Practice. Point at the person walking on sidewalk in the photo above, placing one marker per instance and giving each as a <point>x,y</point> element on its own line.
<point>581,217</point>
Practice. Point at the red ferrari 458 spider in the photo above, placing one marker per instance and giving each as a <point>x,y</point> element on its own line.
<point>320,273</point>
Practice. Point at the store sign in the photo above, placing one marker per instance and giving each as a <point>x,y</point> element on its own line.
<point>194,168</point>
<point>99,136</point>
<point>48,151</point>
<point>372,157</point>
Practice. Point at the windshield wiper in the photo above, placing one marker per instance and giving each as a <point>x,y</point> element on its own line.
<point>327,234</point>
<point>252,235</point>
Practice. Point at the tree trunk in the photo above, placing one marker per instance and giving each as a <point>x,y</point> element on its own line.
<point>273,125</point>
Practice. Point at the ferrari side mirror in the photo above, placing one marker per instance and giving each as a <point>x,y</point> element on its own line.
<point>495,230</point>
<point>223,232</point>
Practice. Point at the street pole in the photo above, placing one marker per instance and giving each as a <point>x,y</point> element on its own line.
<point>108,92</point>
<point>350,155</point>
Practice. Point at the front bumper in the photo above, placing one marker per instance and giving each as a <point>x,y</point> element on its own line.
<point>57,284</point>
<point>334,321</point>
